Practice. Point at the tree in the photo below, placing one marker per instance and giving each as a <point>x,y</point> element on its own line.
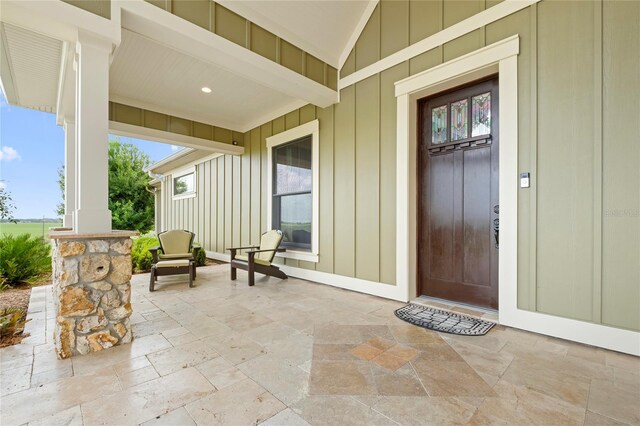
<point>60,206</point>
<point>130,200</point>
<point>6,206</point>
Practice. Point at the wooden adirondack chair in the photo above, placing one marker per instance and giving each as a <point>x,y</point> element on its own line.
<point>258,258</point>
<point>177,256</point>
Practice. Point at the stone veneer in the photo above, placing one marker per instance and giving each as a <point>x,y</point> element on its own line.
<point>92,292</point>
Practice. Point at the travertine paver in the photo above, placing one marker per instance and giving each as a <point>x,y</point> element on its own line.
<point>295,352</point>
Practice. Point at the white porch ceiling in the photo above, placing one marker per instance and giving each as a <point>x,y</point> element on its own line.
<point>321,27</point>
<point>147,74</point>
<point>30,67</point>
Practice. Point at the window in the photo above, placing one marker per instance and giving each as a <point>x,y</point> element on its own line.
<point>184,184</point>
<point>293,190</point>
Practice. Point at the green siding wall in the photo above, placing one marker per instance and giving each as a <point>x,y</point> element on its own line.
<point>98,7</point>
<point>167,123</point>
<point>223,22</point>
<point>578,227</point>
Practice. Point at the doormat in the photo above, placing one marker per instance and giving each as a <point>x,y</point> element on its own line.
<point>447,322</point>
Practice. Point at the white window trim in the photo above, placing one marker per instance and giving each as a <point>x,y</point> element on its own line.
<point>312,128</point>
<point>180,173</point>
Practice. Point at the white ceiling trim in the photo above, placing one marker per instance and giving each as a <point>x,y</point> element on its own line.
<point>60,20</point>
<point>472,23</point>
<point>172,31</point>
<point>7,81</point>
<point>366,15</point>
<point>242,9</point>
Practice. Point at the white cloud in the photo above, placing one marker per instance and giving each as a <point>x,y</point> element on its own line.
<point>7,154</point>
<point>175,148</point>
<point>2,185</point>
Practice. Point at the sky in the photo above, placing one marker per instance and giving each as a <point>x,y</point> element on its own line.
<point>32,150</point>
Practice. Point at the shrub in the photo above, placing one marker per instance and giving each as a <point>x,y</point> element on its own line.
<point>12,320</point>
<point>23,258</point>
<point>202,256</point>
<point>141,258</point>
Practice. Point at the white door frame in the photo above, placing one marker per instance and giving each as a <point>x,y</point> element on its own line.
<point>502,58</point>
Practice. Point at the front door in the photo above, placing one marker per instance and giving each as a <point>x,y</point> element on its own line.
<point>458,227</point>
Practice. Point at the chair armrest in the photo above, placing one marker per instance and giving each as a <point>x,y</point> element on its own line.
<point>241,248</point>
<point>278,250</point>
<point>154,253</point>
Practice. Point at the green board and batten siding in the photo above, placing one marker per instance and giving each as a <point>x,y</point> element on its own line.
<point>578,224</point>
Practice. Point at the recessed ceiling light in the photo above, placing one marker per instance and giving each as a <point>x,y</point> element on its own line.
<point>206,90</point>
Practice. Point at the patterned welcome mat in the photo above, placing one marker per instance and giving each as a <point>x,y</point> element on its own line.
<point>447,322</point>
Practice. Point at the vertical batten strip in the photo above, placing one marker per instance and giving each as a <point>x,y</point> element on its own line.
<point>533,197</point>
<point>597,164</point>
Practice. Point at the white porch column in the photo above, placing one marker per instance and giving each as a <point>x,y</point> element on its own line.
<point>92,115</point>
<point>69,172</point>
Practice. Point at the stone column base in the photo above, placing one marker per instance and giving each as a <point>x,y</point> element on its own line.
<point>92,291</point>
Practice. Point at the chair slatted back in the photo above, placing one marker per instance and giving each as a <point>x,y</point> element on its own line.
<point>176,241</point>
<point>270,240</point>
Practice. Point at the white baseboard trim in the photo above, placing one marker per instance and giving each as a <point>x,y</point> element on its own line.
<point>218,256</point>
<point>388,291</point>
<point>603,336</point>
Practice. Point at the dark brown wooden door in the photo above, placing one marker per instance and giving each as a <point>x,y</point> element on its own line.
<point>458,228</point>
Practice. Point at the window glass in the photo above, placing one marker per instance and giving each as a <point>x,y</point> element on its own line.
<point>439,125</point>
<point>292,199</point>
<point>481,114</point>
<point>183,184</point>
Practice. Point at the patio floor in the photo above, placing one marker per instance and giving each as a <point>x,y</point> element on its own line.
<point>293,353</point>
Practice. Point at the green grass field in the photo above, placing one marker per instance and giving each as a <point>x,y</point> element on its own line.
<point>35,229</point>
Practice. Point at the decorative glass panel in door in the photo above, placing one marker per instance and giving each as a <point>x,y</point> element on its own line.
<point>439,125</point>
<point>481,114</point>
<point>459,114</point>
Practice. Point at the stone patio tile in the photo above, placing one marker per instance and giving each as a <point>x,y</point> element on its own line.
<point>424,410</point>
<point>51,398</point>
<point>341,378</point>
<point>586,352</point>
<point>548,380</point>
<point>283,380</point>
<point>208,327</point>
<point>388,361</point>
<point>136,377</point>
<point>224,312</point>
<point>623,361</point>
<point>328,352</point>
<point>147,328</point>
<point>176,417</point>
<point>50,376</point>
<point>445,378</point>
<point>48,360</point>
<point>270,333</point>
<point>69,417</point>
<point>439,351</point>
<point>236,349</point>
<point>619,403</point>
<point>285,418</point>
<point>174,359</point>
<point>220,372</point>
<point>148,400</point>
<point>244,403</point>
<point>338,410</point>
<point>402,382</point>
<point>406,333</point>
<point>17,361</point>
<point>593,419</point>
<point>364,351</point>
<point>179,331</point>
<point>521,405</point>
<point>482,360</point>
<point>116,355</point>
<point>15,380</point>
<point>247,322</point>
<point>182,339</point>
<point>297,349</point>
